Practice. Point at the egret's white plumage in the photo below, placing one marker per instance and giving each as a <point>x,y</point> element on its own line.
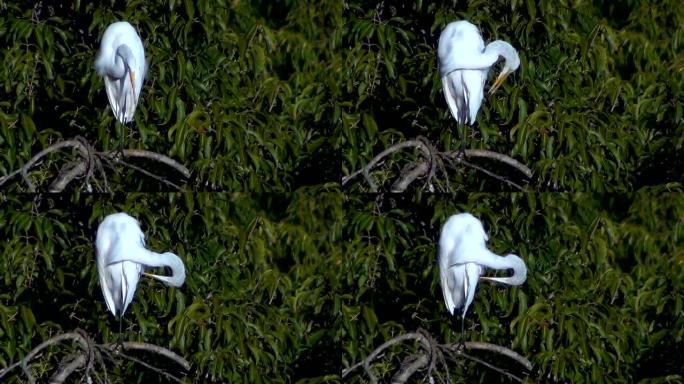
<point>121,63</point>
<point>464,62</point>
<point>122,259</point>
<point>463,256</point>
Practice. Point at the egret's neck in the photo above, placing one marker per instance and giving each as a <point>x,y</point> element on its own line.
<point>153,259</point>
<point>123,61</point>
<point>501,48</point>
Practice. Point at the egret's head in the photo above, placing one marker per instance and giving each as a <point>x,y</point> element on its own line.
<point>512,63</point>
<point>177,277</point>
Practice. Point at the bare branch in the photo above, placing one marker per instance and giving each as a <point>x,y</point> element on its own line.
<point>407,370</point>
<point>495,156</point>
<point>88,353</point>
<point>486,364</point>
<point>366,362</point>
<point>409,143</point>
<point>489,173</point>
<point>159,371</point>
<point>54,340</point>
<point>430,352</point>
<point>87,160</point>
<point>431,159</point>
<point>409,177</point>
<point>481,345</point>
<point>158,157</point>
<point>135,345</point>
<point>61,375</point>
<point>67,177</point>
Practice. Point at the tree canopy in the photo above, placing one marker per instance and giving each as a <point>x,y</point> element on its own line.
<point>261,129</point>
<point>595,106</point>
<point>257,305</point>
<point>237,92</point>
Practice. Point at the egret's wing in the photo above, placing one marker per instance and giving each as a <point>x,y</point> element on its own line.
<point>472,274</point>
<point>457,292</point>
<point>121,98</point>
<point>447,282</point>
<point>110,281</point>
<point>130,273</point>
<point>473,81</point>
<point>103,248</point>
<point>456,96</point>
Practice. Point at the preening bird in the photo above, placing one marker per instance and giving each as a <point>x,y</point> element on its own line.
<point>122,259</point>
<point>121,63</point>
<point>463,256</point>
<point>464,63</point>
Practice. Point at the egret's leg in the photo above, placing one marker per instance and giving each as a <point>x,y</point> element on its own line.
<point>119,343</point>
<point>462,131</point>
<point>462,346</point>
<point>122,132</point>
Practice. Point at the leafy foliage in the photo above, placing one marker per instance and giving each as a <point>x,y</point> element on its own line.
<point>240,92</point>
<point>602,301</point>
<point>257,305</point>
<point>595,106</point>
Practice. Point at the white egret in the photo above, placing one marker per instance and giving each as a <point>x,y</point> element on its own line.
<point>122,258</point>
<point>463,255</point>
<point>121,63</point>
<point>463,65</point>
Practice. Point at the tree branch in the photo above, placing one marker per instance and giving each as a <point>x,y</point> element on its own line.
<point>430,352</point>
<point>481,345</point>
<point>87,159</point>
<point>429,160</point>
<point>140,346</point>
<point>89,351</point>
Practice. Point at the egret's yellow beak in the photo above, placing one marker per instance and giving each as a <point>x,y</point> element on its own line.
<point>131,75</point>
<point>499,80</point>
